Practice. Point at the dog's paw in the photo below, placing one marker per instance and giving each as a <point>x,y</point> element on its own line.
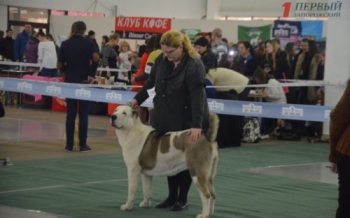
<point>145,204</point>
<point>125,207</point>
<point>202,216</point>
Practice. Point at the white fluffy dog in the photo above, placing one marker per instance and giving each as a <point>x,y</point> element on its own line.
<point>148,154</point>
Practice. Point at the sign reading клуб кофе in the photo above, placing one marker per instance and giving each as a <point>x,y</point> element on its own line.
<point>141,27</point>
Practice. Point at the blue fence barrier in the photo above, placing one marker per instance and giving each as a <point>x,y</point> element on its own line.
<point>105,94</point>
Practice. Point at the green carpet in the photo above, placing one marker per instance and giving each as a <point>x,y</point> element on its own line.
<point>95,186</point>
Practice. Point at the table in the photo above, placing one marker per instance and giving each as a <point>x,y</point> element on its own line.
<point>17,72</point>
<point>20,73</point>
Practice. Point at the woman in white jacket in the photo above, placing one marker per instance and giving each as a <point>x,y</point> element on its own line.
<point>272,93</point>
<point>47,56</point>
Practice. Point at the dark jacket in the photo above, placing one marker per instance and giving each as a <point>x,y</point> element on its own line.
<point>20,44</point>
<point>180,102</point>
<point>237,65</point>
<point>339,129</point>
<point>32,50</point>
<point>7,48</point>
<point>250,65</point>
<point>75,55</point>
<point>282,65</point>
<point>209,59</point>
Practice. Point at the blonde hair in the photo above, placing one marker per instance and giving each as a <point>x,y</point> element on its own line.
<point>274,53</point>
<point>175,39</point>
<point>132,56</point>
<point>122,44</point>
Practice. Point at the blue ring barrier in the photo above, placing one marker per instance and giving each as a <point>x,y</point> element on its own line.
<point>229,107</point>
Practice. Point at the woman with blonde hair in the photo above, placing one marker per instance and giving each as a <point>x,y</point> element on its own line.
<point>275,61</point>
<point>123,59</point>
<point>180,103</point>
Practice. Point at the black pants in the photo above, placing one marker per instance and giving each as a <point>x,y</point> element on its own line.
<point>343,165</point>
<point>179,185</point>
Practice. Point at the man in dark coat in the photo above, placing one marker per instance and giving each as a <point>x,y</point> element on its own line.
<point>7,46</point>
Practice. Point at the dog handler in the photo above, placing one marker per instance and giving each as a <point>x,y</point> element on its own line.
<point>74,58</point>
<point>180,103</point>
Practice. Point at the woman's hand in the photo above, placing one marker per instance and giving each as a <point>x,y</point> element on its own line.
<point>195,134</point>
<point>108,74</point>
<point>134,104</point>
<point>334,168</point>
<point>230,60</point>
<point>133,81</point>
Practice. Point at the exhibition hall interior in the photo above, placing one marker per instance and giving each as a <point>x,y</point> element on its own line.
<point>187,108</point>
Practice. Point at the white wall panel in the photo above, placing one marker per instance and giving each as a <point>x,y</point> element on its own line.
<point>3,17</point>
<point>179,9</point>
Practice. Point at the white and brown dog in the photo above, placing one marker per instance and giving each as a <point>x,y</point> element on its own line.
<point>148,154</point>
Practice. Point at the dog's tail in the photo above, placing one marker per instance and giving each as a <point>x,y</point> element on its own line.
<point>213,127</point>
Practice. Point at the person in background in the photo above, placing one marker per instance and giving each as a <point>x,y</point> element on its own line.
<point>21,42</point>
<point>143,48</point>
<point>248,55</point>
<point>209,38</point>
<point>275,61</point>
<point>271,93</point>
<point>75,56</point>
<point>1,36</point>
<point>339,152</point>
<point>50,38</point>
<point>230,130</point>
<point>138,81</point>
<point>92,36</point>
<point>47,56</point>
<point>31,52</point>
<point>207,56</point>
<point>225,41</point>
<point>197,36</point>
<point>233,60</point>
<point>291,57</point>
<point>309,66</point>
<point>2,110</point>
<point>218,46</point>
<point>7,46</point>
<point>109,56</point>
<point>123,62</point>
<point>133,69</point>
<point>179,103</point>
<point>104,41</point>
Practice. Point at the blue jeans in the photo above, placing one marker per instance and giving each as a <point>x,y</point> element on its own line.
<point>84,107</point>
<point>49,72</point>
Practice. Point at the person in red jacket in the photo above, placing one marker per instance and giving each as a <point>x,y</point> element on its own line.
<point>138,81</point>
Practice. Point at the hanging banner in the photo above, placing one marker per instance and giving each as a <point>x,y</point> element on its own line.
<point>294,28</point>
<point>312,29</point>
<point>252,34</point>
<point>142,24</point>
<point>191,33</point>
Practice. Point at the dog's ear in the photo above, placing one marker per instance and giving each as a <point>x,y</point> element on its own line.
<point>135,114</point>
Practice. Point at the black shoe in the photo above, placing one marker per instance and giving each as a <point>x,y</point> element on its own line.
<point>69,149</point>
<point>179,206</point>
<point>85,149</point>
<point>165,204</point>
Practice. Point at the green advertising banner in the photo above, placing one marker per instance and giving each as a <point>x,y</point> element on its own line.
<point>252,34</point>
<point>190,32</point>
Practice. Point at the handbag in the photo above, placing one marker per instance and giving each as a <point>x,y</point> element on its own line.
<point>285,88</point>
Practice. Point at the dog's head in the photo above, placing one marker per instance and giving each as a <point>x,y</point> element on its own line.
<point>124,117</point>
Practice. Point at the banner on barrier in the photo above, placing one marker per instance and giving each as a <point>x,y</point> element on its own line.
<point>229,107</point>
